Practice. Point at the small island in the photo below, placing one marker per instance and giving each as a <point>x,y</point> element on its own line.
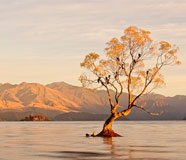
<point>39,117</point>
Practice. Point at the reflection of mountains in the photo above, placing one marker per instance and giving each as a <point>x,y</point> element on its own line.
<point>57,98</point>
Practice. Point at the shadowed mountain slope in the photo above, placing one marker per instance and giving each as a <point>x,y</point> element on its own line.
<point>57,98</point>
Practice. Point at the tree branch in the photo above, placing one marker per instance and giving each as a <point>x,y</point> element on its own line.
<point>146,85</point>
<point>116,94</point>
<point>109,95</point>
<point>124,112</point>
<point>151,113</point>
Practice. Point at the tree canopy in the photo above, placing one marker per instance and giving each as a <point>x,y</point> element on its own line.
<point>131,64</point>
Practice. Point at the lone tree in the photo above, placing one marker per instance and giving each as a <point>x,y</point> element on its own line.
<point>131,64</point>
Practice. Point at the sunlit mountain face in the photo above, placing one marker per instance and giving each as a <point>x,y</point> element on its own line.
<point>58,98</point>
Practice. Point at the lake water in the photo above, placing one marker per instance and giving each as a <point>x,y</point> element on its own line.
<point>142,140</point>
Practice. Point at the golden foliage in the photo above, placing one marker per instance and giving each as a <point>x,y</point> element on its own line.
<point>133,62</point>
<point>136,83</point>
<point>178,62</point>
<point>115,48</point>
<point>84,80</point>
<point>136,37</point>
<point>159,80</point>
<point>140,64</point>
<point>89,60</point>
<point>141,73</point>
<point>164,46</point>
<point>168,54</point>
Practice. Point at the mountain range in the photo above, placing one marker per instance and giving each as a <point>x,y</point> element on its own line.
<point>59,99</point>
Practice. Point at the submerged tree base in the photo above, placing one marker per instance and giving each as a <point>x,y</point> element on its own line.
<point>107,133</point>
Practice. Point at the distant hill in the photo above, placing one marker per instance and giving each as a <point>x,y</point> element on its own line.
<point>56,99</point>
<point>83,116</point>
<point>80,116</point>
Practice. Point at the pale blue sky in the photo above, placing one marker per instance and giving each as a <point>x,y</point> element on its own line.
<point>44,41</point>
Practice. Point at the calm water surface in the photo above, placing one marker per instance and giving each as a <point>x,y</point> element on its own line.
<point>142,140</point>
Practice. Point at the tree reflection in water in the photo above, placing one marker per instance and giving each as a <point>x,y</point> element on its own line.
<point>115,150</point>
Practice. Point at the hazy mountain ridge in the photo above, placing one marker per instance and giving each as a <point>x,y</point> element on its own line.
<point>56,98</point>
<point>83,116</point>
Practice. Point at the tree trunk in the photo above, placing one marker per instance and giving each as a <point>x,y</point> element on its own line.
<point>107,128</point>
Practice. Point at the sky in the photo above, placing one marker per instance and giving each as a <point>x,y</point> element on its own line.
<point>45,41</point>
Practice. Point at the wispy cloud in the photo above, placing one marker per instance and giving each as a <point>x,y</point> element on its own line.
<point>72,28</point>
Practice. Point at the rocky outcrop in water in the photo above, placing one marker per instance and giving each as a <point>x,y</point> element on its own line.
<point>36,118</point>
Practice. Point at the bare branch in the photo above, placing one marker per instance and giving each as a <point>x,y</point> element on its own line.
<point>147,83</point>
<point>151,113</point>
<point>109,95</point>
<point>121,91</point>
<point>116,93</point>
